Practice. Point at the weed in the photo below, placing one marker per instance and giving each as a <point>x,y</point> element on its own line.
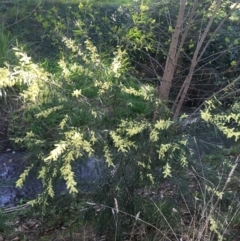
<point>6,44</point>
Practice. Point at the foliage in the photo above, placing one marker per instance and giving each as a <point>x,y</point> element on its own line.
<point>6,42</point>
<point>92,108</point>
<point>7,92</point>
<point>227,123</point>
<point>76,115</point>
<point>144,29</point>
<point>88,102</point>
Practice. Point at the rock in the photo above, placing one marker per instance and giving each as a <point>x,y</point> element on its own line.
<point>89,175</point>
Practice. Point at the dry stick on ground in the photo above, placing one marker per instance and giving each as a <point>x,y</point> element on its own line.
<point>183,91</point>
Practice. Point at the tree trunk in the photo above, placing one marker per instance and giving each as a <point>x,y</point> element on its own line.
<point>170,66</point>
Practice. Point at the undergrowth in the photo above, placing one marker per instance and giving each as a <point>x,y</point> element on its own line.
<point>85,105</point>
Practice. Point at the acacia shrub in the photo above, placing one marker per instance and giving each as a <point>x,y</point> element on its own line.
<point>92,109</point>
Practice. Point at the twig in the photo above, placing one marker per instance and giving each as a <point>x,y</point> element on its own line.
<point>14,209</point>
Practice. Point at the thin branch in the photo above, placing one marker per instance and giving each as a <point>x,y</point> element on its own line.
<point>20,20</point>
<point>216,30</point>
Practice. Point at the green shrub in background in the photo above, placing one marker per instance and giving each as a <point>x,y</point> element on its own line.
<point>6,42</point>
<point>7,57</point>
